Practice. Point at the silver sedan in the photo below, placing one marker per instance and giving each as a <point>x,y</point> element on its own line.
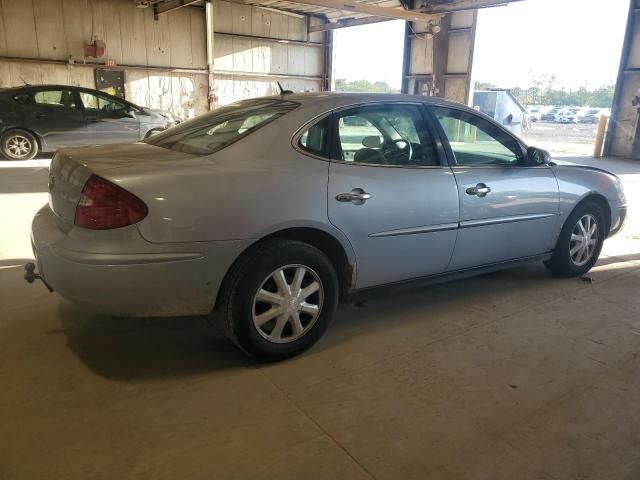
<point>270,211</point>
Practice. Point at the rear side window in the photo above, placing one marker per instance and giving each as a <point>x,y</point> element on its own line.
<point>213,132</point>
<point>55,98</point>
<point>315,139</point>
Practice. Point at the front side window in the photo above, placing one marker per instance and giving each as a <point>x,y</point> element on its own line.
<point>55,98</point>
<point>98,102</point>
<point>385,135</point>
<point>477,142</point>
<point>212,132</point>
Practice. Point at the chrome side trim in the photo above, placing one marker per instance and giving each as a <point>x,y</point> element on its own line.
<point>414,230</point>
<point>499,220</point>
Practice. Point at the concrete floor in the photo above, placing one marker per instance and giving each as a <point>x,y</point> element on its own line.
<point>512,375</point>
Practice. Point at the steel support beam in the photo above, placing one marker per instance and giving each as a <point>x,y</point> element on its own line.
<point>465,5</point>
<point>367,9</point>
<point>169,5</point>
<point>349,22</point>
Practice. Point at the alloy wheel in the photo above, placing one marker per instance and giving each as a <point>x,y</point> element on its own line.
<point>287,303</point>
<point>584,239</point>
<point>19,146</point>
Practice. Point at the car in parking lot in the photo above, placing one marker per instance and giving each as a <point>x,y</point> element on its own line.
<point>550,114</point>
<point>270,211</point>
<point>592,115</point>
<point>567,116</point>
<point>44,118</point>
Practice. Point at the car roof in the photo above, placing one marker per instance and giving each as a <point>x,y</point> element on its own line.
<point>338,99</point>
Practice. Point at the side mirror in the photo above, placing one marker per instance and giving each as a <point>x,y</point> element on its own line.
<point>537,156</point>
<point>131,113</point>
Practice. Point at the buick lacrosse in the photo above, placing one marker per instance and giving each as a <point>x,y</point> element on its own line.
<point>269,211</point>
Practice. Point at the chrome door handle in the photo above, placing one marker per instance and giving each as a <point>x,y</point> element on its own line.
<point>357,196</point>
<point>480,190</point>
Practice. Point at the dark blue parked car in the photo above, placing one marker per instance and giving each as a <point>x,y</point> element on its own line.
<point>44,118</point>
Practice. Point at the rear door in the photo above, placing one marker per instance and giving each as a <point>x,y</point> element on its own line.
<point>508,209</point>
<point>108,119</point>
<point>55,116</point>
<point>389,193</point>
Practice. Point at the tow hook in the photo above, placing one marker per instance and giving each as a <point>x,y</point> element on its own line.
<point>31,276</point>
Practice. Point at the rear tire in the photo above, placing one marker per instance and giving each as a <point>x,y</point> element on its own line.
<point>19,145</point>
<point>580,241</point>
<point>279,299</point>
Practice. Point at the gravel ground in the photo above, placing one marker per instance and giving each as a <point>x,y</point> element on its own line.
<point>576,139</point>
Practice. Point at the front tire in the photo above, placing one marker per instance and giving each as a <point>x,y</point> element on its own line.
<point>580,241</point>
<point>279,299</point>
<point>19,145</point>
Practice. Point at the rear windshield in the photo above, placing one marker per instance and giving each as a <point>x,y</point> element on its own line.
<point>216,130</point>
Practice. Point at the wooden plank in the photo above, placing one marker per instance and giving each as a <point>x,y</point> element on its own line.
<point>242,55</point>
<point>78,19</point>
<point>158,40</point>
<point>279,25</point>
<point>295,57</point>
<point>421,55</point>
<point>261,22</point>
<point>55,74</point>
<point>464,5</point>
<point>3,34</point>
<point>198,38</point>
<point>223,53</point>
<point>136,86</point>
<point>48,19</point>
<point>5,74</point>
<point>25,73</point>
<point>20,29</point>
<point>456,89</point>
<point>463,19</point>
<point>82,76</point>
<point>261,52</point>
<point>279,58</point>
<point>313,62</point>
<point>112,30</point>
<point>316,36</point>
<point>459,52</point>
<point>241,19</point>
<point>297,29</point>
<point>180,38</point>
<point>222,17</point>
<point>134,43</point>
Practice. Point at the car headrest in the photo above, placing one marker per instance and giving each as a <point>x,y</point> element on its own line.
<point>372,141</point>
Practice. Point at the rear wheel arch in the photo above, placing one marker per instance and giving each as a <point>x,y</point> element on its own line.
<point>320,239</point>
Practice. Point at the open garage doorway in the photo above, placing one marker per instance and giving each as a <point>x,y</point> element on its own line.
<point>559,60</point>
<point>368,58</point>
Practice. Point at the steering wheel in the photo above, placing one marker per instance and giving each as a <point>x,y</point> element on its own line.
<point>408,146</point>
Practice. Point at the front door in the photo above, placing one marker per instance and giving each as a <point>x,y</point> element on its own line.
<point>109,120</point>
<point>55,116</point>
<point>508,209</point>
<point>389,194</point>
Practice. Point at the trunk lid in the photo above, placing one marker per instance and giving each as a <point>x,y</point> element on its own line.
<point>71,168</point>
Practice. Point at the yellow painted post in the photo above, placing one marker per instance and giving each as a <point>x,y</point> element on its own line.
<point>602,129</point>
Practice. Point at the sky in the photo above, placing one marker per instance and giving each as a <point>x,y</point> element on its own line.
<point>577,40</point>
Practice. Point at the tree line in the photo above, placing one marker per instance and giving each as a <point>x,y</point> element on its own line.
<point>544,92</point>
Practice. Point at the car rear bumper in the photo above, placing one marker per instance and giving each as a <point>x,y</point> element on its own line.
<point>175,283</point>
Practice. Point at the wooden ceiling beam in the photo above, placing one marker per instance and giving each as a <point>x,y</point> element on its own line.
<point>458,5</point>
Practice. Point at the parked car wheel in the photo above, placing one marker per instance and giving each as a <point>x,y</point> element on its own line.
<point>580,242</point>
<point>19,145</point>
<point>279,299</point>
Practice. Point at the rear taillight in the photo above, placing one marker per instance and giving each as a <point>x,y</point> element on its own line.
<point>104,205</point>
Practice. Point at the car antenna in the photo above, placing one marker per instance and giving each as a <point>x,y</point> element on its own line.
<point>283,91</point>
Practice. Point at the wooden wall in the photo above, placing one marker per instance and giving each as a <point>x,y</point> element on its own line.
<point>253,49</point>
<point>237,56</point>
<point>444,57</point>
